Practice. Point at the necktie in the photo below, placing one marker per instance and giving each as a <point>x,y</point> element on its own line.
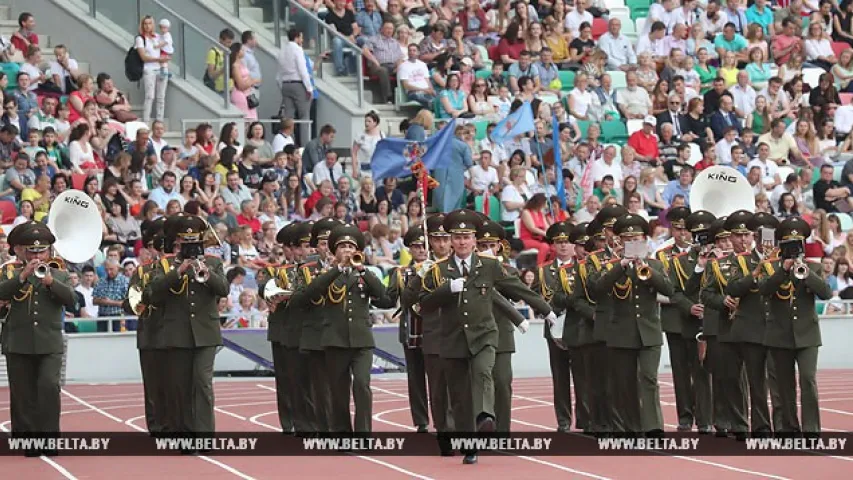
<point>728,120</point>
<point>332,176</point>
<point>675,124</point>
<point>464,269</point>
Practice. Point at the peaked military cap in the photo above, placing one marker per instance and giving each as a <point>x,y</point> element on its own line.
<point>414,236</point>
<point>35,238</point>
<point>677,216</point>
<point>793,228</point>
<point>346,233</point>
<point>609,214</point>
<point>738,222</point>
<point>762,220</point>
<point>631,225</point>
<point>579,235</point>
<point>462,221</point>
<point>718,229</point>
<point>700,220</point>
<point>560,231</point>
<point>489,231</point>
<point>322,229</point>
<point>435,225</point>
<point>190,228</point>
<point>301,234</point>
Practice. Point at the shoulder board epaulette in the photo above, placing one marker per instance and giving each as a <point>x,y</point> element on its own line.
<point>486,255</point>
<point>442,260</point>
<point>682,254</point>
<point>596,252</point>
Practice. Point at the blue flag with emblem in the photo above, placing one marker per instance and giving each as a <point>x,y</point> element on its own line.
<point>558,161</point>
<point>518,122</point>
<point>390,159</point>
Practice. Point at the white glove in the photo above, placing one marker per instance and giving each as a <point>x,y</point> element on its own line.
<point>551,318</point>
<point>524,326</point>
<point>456,285</point>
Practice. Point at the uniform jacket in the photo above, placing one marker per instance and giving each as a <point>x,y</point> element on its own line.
<point>36,312</point>
<point>467,318</point>
<point>507,317</point>
<point>346,305</point>
<point>190,317</point>
<point>397,284</point>
<point>285,326</point>
<point>749,322</point>
<point>793,321</point>
<point>571,296</point>
<point>602,296</point>
<point>715,322</point>
<point>149,325</point>
<point>636,317</point>
<point>672,313</point>
<point>310,313</point>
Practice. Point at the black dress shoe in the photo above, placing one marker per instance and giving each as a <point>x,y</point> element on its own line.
<point>721,433</point>
<point>810,434</point>
<point>486,425</point>
<point>705,430</point>
<point>654,434</point>
<point>562,429</point>
<point>423,429</point>
<point>683,427</point>
<point>51,452</point>
<point>32,453</point>
<point>188,451</point>
<point>470,459</point>
<point>740,436</point>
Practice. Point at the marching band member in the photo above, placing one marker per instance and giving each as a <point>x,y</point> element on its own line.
<point>346,289</point>
<point>490,242</point>
<point>461,287</point>
<point>148,341</point>
<point>602,410</point>
<point>411,327</point>
<point>566,276</point>
<point>32,334</point>
<point>793,334</point>
<point>186,290</point>
<point>563,362</point>
<point>743,331</point>
<point>283,332</point>
<point>635,338</point>
<point>310,340</point>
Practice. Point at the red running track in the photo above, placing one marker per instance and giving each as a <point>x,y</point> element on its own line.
<point>249,405</point>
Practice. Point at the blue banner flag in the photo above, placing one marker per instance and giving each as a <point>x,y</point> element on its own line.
<point>558,162</point>
<point>518,122</point>
<point>389,159</point>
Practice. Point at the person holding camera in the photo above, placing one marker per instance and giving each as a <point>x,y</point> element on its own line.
<point>186,289</point>
<point>791,288</point>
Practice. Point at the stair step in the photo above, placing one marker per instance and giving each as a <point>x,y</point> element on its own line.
<point>5,12</point>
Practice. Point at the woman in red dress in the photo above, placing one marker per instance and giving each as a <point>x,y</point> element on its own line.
<point>533,225</point>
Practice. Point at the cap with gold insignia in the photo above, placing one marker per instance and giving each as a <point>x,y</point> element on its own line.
<point>435,225</point>
<point>283,235</point>
<point>793,228</point>
<point>677,217</point>
<point>152,232</point>
<point>190,229</point>
<point>346,233</point>
<point>699,221</point>
<point>322,228</point>
<point>301,234</point>
<point>738,222</point>
<point>718,229</point>
<point>631,225</point>
<point>559,232</point>
<point>15,234</point>
<point>170,230</point>
<point>762,220</point>
<point>489,231</point>
<point>595,229</point>
<point>414,236</point>
<point>579,235</point>
<point>609,214</point>
<point>35,238</point>
<point>462,221</point>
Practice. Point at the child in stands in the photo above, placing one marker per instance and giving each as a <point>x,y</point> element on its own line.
<point>167,47</point>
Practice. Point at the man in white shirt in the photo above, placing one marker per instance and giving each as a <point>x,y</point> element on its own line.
<point>250,43</point>
<point>575,18</point>
<point>620,52</point>
<point>633,101</point>
<point>724,146</point>
<point>714,19</point>
<point>414,77</point>
<point>64,66</point>
<point>653,42</point>
<point>330,169</point>
<point>295,81</point>
<point>769,169</point>
<point>661,12</point>
<point>166,192</point>
<point>607,166</point>
<point>744,95</point>
<point>686,14</point>
<point>284,137</point>
<point>778,103</point>
<point>483,177</point>
<point>167,163</point>
<point>157,140</point>
<point>86,287</point>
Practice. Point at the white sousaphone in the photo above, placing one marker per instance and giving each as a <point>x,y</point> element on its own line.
<point>76,223</point>
<point>722,191</point>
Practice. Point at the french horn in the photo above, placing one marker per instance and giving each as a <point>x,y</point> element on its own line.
<point>134,297</point>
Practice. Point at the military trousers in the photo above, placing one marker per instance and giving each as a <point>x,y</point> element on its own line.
<point>680,364</point>
<point>788,363</point>
<point>348,369</point>
<point>635,388</point>
<point>299,388</point>
<point>472,388</point>
<point>502,376</point>
<point>417,383</point>
<point>600,402</point>
<point>732,373</point>
<point>714,362</point>
<point>191,389</point>
<point>580,383</point>
<point>439,394</point>
<point>755,360</point>
<point>561,379</point>
<point>283,392</point>
<point>700,384</point>
<point>776,405</point>
<point>317,384</point>
<point>153,367</point>
<point>34,392</point>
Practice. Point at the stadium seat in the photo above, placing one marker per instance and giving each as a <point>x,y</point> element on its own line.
<point>621,12</point>
<point>618,79</point>
<point>640,23</point>
<point>400,98</point>
<point>611,4</point>
<point>84,326</point>
<point>599,27</point>
<point>628,27</point>
<point>846,98</point>
<point>494,207</point>
<point>638,13</point>
<point>838,47</point>
<point>811,76</point>
<point>483,74</point>
<point>634,125</point>
<point>583,125</point>
<point>11,70</point>
<point>695,154</point>
<point>8,211</point>
<point>567,78</point>
<point>614,132</point>
<point>481,126</point>
<point>845,221</point>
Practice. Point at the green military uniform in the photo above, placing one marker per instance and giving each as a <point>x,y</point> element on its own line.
<point>507,317</point>
<point>32,338</point>
<point>635,337</point>
<point>151,354</point>
<point>310,341</point>
<point>568,282</point>
<point>190,327</point>
<point>283,332</point>
<point>411,333</point>
<point>462,289</point>
<point>439,394</point>
<point>793,331</point>
<point>743,336</point>
<point>672,310</point>
<point>347,333</point>
<point>604,416</point>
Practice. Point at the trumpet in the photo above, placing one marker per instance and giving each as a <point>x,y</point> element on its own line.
<point>800,269</point>
<point>644,272</point>
<point>200,271</point>
<point>357,259</point>
<point>44,268</point>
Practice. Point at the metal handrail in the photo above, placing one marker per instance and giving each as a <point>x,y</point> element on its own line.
<point>183,34</point>
<point>325,27</point>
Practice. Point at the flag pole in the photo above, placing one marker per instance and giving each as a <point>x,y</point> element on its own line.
<point>544,175</point>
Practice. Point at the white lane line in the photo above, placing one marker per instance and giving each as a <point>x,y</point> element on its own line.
<point>59,468</point>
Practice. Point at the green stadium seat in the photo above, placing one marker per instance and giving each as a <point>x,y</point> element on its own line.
<point>567,78</point>
<point>481,126</point>
<point>583,125</point>
<point>494,207</point>
<point>84,326</point>
<point>11,70</point>
<point>483,74</point>
<point>614,131</point>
